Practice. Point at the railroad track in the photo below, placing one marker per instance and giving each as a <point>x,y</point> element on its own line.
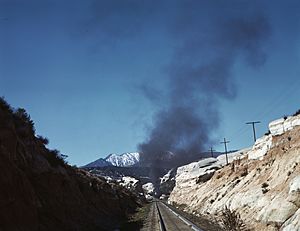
<point>163,218</point>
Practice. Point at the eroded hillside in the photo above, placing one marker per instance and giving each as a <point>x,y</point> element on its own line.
<point>262,184</point>
<point>39,191</point>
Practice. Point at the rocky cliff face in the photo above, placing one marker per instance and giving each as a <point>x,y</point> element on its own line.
<point>262,183</point>
<point>39,191</point>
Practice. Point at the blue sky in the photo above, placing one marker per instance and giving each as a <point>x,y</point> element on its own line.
<point>80,68</point>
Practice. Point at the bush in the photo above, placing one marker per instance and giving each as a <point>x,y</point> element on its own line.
<point>23,119</point>
<point>219,176</point>
<point>5,106</point>
<point>231,220</point>
<point>265,185</point>
<point>56,159</point>
<point>297,113</point>
<point>245,172</point>
<point>44,140</point>
<point>265,190</point>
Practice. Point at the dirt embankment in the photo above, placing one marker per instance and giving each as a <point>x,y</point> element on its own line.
<point>265,192</point>
<point>39,191</point>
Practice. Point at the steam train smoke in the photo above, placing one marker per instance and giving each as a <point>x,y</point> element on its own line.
<point>200,74</point>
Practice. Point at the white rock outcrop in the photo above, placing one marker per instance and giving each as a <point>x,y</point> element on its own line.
<point>293,223</point>
<point>279,210</point>
<point>260,148</point>
<point>279,126</point>
<point>295,185</point>
<point>276,127</point>
<point>263,188</point>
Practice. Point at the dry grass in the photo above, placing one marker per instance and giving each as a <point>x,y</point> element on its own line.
<point>231,220</point>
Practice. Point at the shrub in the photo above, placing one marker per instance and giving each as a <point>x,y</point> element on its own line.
<point>219,176</point>
<point>23,119</point>
<point>297,113</point>
<point>5,106</point>
<point>231,220</point>
<point>268,133</point>
<point>265,190</point>
<point>44,140</point>
<point>265,185</point>
<point>56,159</point>
<point>245,172</point>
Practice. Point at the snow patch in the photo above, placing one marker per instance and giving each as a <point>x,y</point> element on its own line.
<point>166,177</point>
<point>128,182</point>
<point>148,188</point>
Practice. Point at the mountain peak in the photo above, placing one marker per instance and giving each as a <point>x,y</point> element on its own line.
<point>126,159</point>
<point>98,163</point>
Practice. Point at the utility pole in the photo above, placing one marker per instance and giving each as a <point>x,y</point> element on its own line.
<point>225,144</point>
<point>253,127</point>
<point>212,151</point>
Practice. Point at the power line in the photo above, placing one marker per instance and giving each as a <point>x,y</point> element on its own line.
<point>238,132</point>
<point>269,107</point>
<point>279,99</point>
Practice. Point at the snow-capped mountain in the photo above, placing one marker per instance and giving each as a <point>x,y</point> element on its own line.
<point>124,160</point>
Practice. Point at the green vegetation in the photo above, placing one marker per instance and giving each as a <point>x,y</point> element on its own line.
<point>137,220</point>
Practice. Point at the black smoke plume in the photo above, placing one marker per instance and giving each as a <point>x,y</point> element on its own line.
<point>199,76</point>
<point>208,37</point>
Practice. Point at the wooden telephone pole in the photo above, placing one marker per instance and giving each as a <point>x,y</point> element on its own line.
<point>225,144</point>
<point>212,151</point>
<point>253,127</point>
